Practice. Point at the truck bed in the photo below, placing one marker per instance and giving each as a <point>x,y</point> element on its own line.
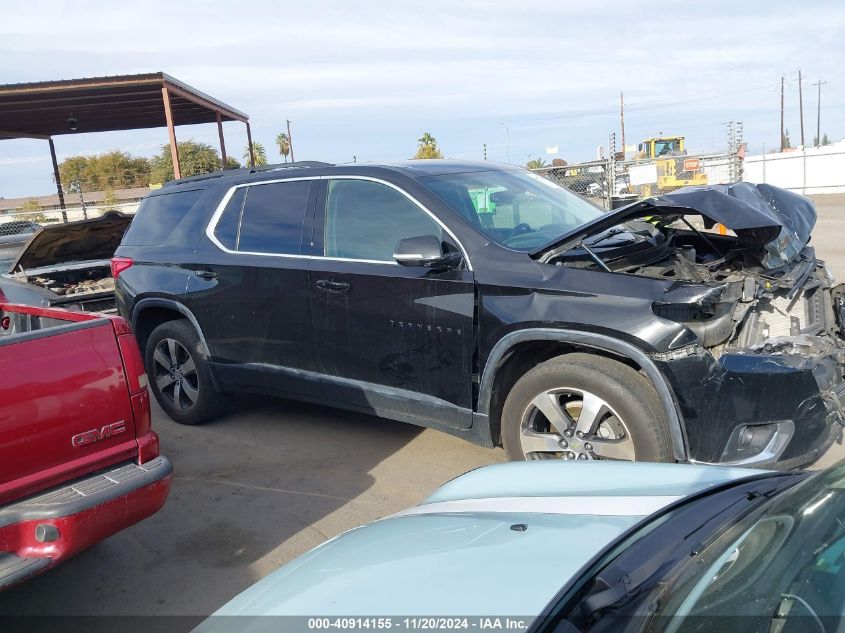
<point>78,459</point>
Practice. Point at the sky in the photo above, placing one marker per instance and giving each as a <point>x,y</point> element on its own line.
<point>363,80</point>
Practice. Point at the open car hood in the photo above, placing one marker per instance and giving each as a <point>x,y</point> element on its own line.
<point>73,242</point>
<point>775,221</point>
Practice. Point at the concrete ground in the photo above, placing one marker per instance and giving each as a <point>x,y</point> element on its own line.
<point>269,481</point>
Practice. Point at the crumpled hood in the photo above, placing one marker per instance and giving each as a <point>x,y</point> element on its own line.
<point>458,554</point>
<point>73,242</point>
<point>776,221</point>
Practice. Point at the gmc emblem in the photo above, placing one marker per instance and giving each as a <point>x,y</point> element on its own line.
<point>95,435</point>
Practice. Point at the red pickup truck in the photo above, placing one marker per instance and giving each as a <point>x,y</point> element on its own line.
<point>78,460</point>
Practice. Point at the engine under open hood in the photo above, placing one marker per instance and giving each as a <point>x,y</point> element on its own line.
<point>774,221</point>
<point>73,242</point>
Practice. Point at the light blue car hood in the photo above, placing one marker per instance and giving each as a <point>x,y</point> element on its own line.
<point>464,550</point>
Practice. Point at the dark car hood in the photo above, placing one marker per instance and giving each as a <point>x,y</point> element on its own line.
<point>73,242</point>
<point>778,222</point>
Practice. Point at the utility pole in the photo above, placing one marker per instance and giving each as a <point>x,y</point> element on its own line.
<point>622,120</point>
<point>819,113</point>
<point>782,137</point>
<point>508,133</point>
<point>801,108</point>
<point>290,142</point>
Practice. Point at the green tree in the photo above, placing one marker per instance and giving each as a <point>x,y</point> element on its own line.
<point>232,163</point>
<point>427,147</point>
<point>116,169</point>
<point>110,200</point>
<point>258,152</point>
<point>787,143</point>
<point>31,210</point>
<point>825,140</point>
<point>194,159</point>
<point>283,142</point>
<point>535,163</point>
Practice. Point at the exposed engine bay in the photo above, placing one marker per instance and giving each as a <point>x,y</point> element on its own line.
<point>88,289</point>
<point>68,265</point>
<point>753,288</point>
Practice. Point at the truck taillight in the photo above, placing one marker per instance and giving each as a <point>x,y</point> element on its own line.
<point>136,377</point>
<point>119,264</point>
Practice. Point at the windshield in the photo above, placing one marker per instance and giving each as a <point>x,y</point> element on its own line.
<point>514,208</point>
<point>665,147</point>
<point>782,568</point>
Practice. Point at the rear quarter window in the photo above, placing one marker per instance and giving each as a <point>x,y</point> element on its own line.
<point>158,216</point>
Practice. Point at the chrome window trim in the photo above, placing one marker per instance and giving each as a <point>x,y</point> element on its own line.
<point>218,212</point>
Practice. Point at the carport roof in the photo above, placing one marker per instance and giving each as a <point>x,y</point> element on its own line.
<point>100,104</point>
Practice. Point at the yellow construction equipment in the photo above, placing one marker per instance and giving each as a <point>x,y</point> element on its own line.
<point>674,168</point>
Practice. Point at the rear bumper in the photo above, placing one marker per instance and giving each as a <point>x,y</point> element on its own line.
<point>39,532</point>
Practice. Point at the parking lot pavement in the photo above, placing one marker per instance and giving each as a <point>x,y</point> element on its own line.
<point>251,491</point>
<point>267,482</point>
<point>828,240</point>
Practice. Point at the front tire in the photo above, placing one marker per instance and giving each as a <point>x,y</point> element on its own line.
<point>582,406</point>
<point>179,375</point>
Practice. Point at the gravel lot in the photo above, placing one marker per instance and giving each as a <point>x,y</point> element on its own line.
<point>267,482</point>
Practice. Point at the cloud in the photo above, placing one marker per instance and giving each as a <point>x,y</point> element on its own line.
<point>368,78</point>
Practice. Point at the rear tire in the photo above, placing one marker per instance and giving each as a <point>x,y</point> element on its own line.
<point>584,406</point>
<point>179,375</point>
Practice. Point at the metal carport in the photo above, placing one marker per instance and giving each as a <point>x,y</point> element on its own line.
<point>42,110</point>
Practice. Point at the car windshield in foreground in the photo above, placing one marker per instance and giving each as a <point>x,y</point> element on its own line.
<point>514,208</point>
<point>783,567</point>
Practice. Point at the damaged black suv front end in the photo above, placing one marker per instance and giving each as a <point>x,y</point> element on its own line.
<point>757,364</point>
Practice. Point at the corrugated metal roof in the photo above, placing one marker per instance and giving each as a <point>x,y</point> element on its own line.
<point>99,104</point>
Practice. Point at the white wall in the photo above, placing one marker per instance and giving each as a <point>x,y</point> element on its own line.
<point>809,171</point>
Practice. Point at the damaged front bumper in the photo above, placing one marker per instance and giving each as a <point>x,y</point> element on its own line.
<point>777,410</point>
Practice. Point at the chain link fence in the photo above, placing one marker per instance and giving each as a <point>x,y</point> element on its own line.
<point>18,227</point>
<point>613,182</point>
<point>20,221</point>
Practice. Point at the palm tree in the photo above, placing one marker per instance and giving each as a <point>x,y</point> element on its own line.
<point>283,142</point>
<point>427,140</point>
<point>258,152</point>
<point>428,147</point>
<point>535,163</point>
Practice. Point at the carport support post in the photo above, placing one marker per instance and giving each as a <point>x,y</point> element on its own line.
<point>222,142</point>
<point>168,115</point>
<point>249,145</point>
<point>58,178</point>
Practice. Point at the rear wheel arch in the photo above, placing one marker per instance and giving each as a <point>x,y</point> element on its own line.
<point>150,313</point>
<point>518,352</point>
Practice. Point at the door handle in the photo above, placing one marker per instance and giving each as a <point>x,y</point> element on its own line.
<point>332,286</point>
<point>205,274</point>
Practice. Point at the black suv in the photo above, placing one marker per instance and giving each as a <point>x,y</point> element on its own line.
<point>488,302</point>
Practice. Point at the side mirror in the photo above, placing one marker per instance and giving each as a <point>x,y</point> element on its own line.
<point>425,250</point>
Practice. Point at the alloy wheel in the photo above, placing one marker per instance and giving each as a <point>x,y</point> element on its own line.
<point>569,423</point>
<point>175,373</point>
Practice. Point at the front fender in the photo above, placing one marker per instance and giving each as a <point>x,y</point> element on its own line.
<point>595,341</point>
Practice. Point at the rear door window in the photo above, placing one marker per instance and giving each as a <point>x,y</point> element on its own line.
<point>265,219</point>
<point>158,216</point>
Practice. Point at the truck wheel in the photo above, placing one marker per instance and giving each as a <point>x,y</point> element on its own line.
<point>180,378</point>
<point>583,406</point>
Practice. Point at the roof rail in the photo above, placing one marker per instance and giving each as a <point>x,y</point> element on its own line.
<point>302,163</point>
<point>249,170</point>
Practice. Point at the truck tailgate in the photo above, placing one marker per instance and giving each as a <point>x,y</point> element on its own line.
<point>64,401</point>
